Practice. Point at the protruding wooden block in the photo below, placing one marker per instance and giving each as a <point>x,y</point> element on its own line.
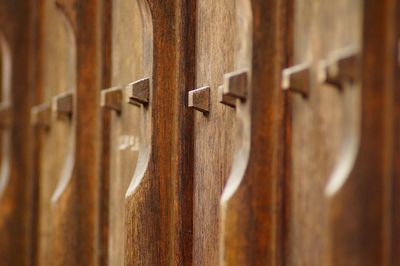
<point>297,79</point>
<point>139,92</point>
<point>63,104</point>
<point>199,99</point>
<point>235,84</point>
<point>342,66</point>
<point>112,98</point>
<point>5,115</point>
<point>41,115</point>
<point>226,98</point>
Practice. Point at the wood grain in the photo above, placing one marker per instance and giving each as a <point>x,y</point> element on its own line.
<point>213,135</point>
<point>251,201</point>
<point>16,186</point>
<point>54,144</point>
<point>74,202</point>
<point>121,143</point>
<point>325,127</point>
<point>158,201</point>
<point>361,210</point>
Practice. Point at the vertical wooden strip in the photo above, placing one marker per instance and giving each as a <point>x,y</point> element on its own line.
<point>156,206</point>
<point>75,201</point>
<point>251,233</point>
<point>213,135</point>
<point>361,210</point>
<point>105,116</point>
<point>16,189</point>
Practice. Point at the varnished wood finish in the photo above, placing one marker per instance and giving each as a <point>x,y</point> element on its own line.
<point>251,201</point>
<point>158,202</point>
<point>361,211</point>
<point>325,127</point>
<point>75,199</point>
<point>199,99</point>
<point>121,122</point>
<point>225,98</point>
<point>16,185</point>
<point>200,132</point>
<point>54,138</point>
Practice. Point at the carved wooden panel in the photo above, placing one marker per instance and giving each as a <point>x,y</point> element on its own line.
<point>251,203</point>
<point>16,186</point>
<point>363,208</point>
<point>55,129</point>
<point>327,118</point>
<point>121,121</point>
<point>158,200</point>
<point>214,130</point>
<point>74,202</point>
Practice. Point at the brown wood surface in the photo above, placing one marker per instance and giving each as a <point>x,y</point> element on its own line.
<point>324,125</point>
<point>121,121</point>
<point>395,241</point>
<point>54,142</point>
<point>251,202</point>
<point>361,210</point>
<point>16,186</point>
<point>74,202</point>
<point>214,132</point>
<point>158,202</point>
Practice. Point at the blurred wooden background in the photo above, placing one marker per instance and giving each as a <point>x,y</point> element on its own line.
<point>200,132</point>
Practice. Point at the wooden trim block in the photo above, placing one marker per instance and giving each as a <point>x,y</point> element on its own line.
<point>63,104</point>
<point>226,98</point>
<point>41,115</point>
<point>342,66</point>
<point>139,92</point>
<point>235,84</point>
<point>112,99</point>
<point>297,79</point>
<point>199,99</point>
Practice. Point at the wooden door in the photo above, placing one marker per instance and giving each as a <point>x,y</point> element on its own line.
<point>120,124</point>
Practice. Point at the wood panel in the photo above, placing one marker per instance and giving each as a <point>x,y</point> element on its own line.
<point>362,211</point>
<point>325,123</point>
<point>395,240</point>
<point>75,199</point>
<point>55,134</point>
<point>251,207</point>
<point>121,121</point>
<point>16,186</point>
<point>158,202</point>
<point>213,131</point>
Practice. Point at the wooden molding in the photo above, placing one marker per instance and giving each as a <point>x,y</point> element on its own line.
<point>199,99</point>
<point>139,92</point>
<point>41,115</point>
<point>226,99</point>
<point>297,79</point>
<point>112,99</point>
<point>63,104</point>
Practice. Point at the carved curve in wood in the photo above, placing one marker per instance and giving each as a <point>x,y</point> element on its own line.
<point>351,137</point>
<point>145,125</point>
<point>69,164</point>
<point>243,61</point>
<point>6,76</point>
